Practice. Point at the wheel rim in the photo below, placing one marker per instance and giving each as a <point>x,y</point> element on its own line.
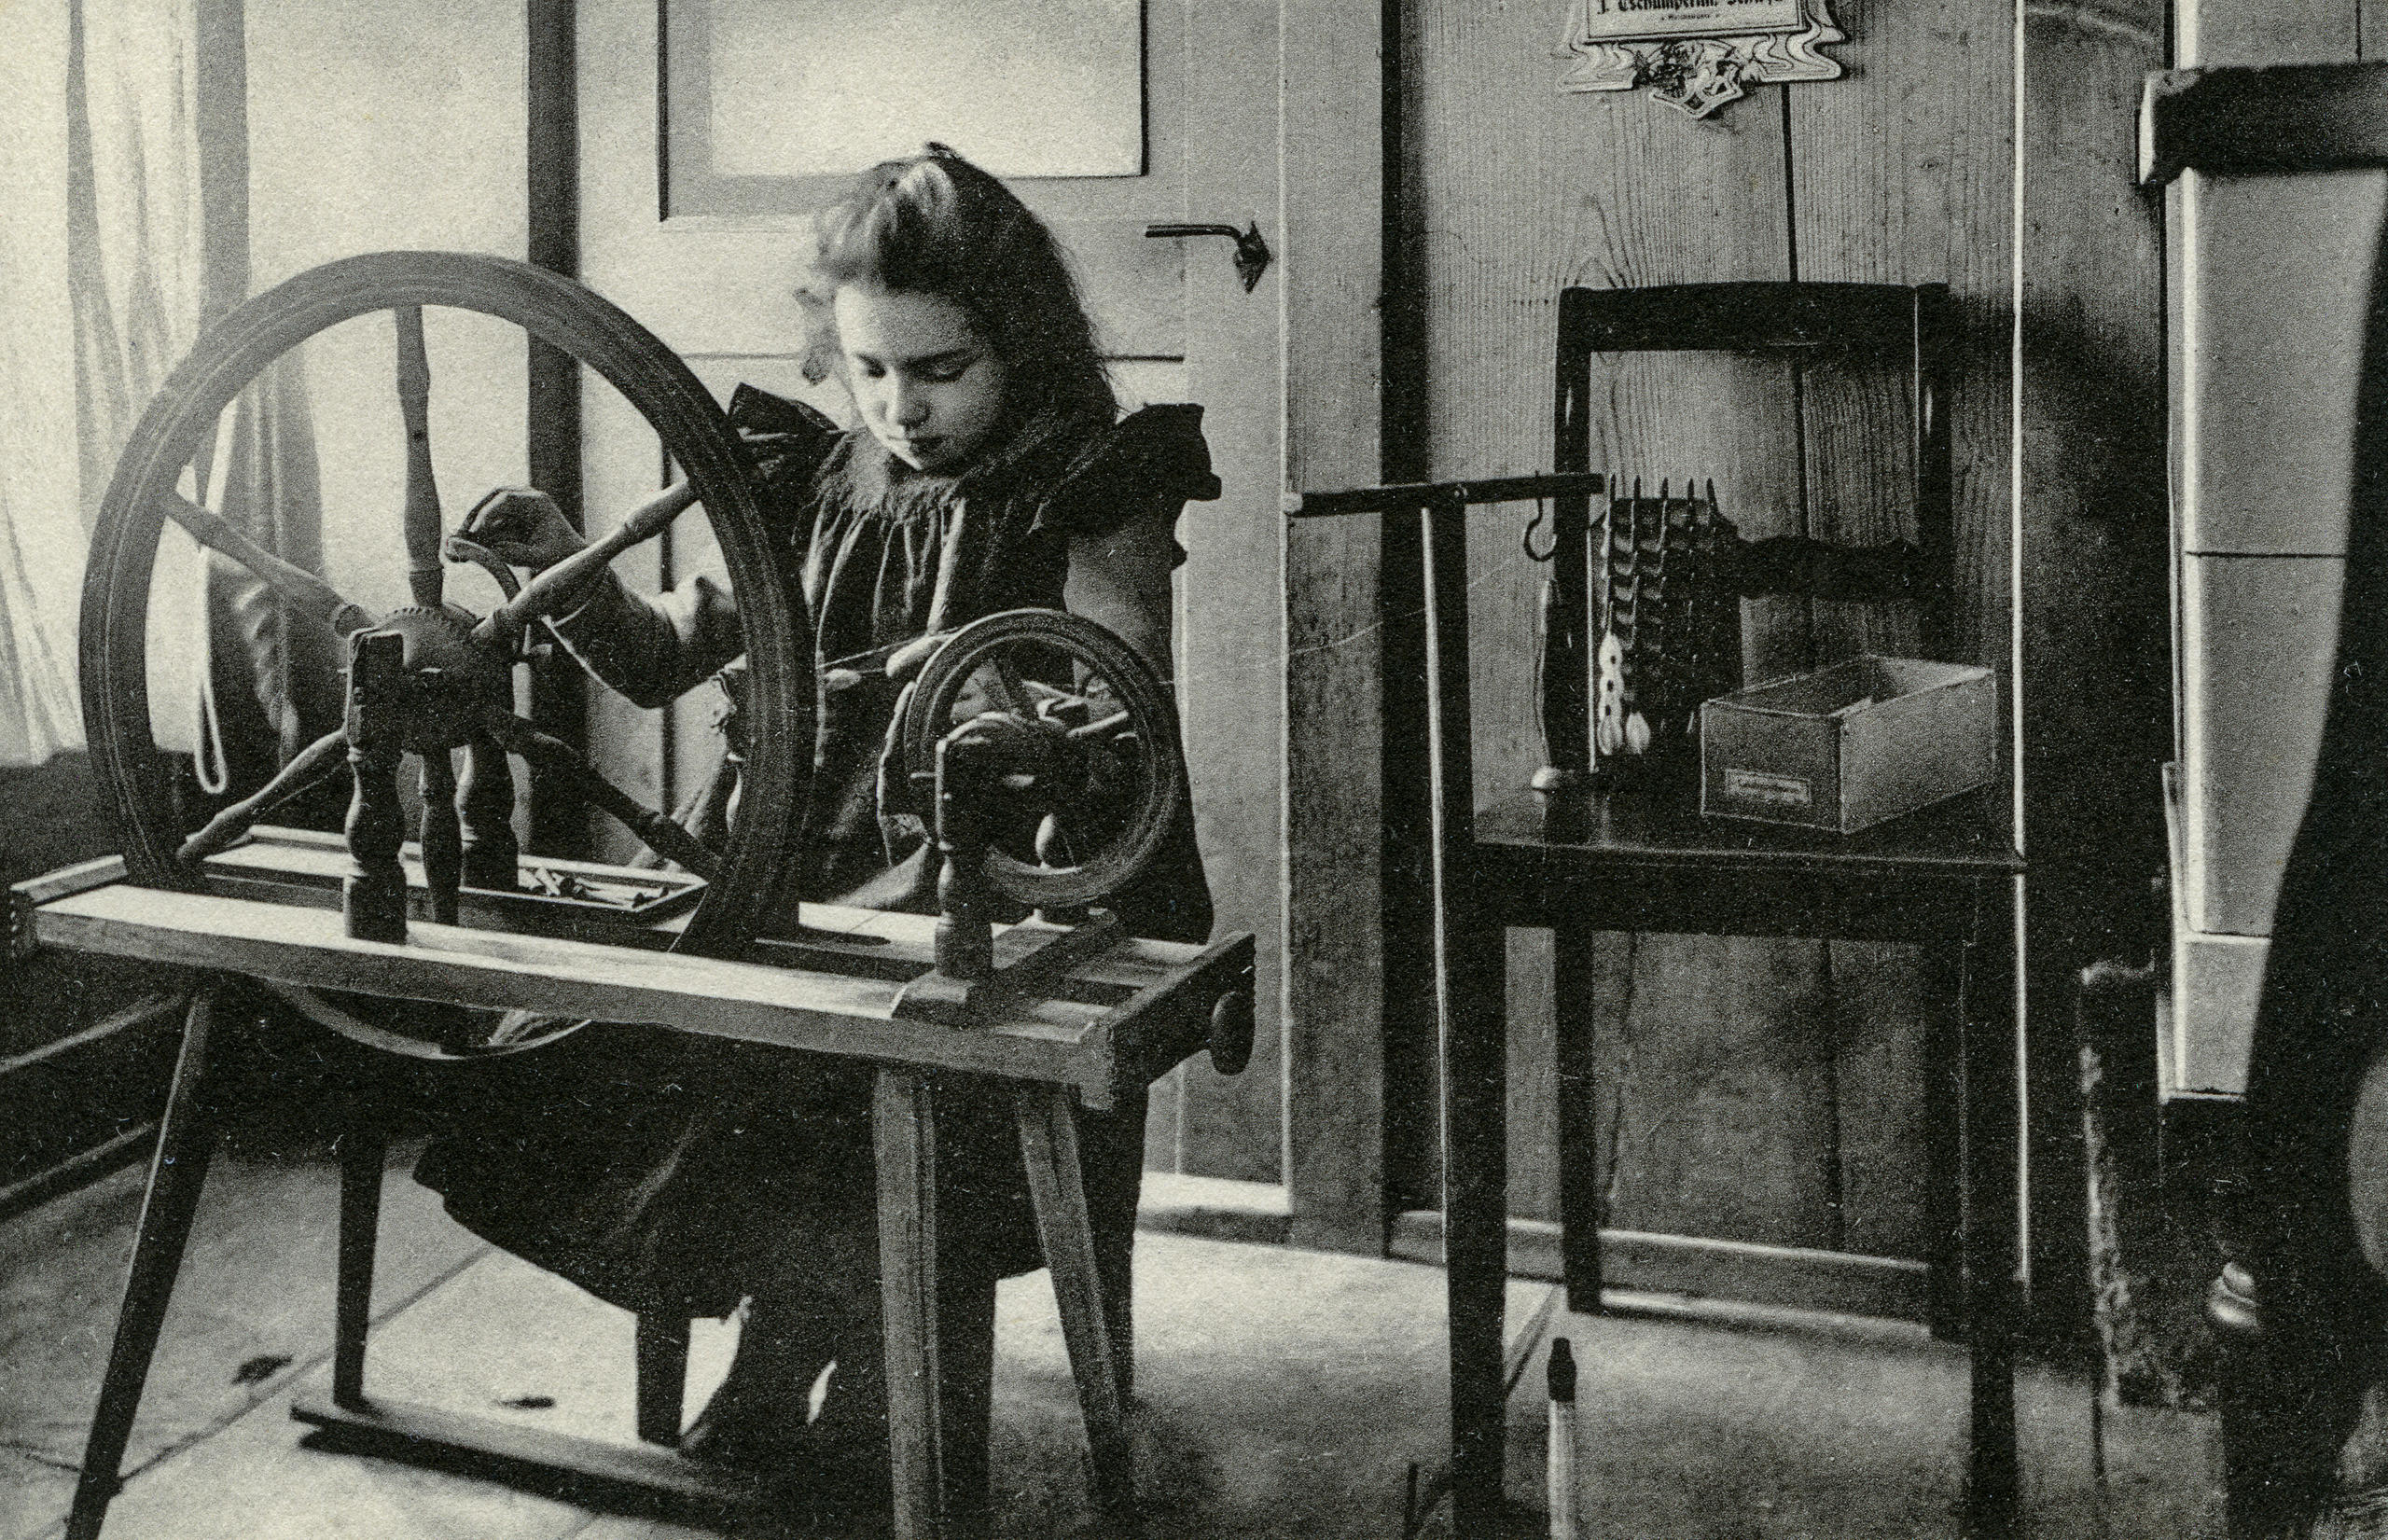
<point>133,777</point>
<point>1126,852</point>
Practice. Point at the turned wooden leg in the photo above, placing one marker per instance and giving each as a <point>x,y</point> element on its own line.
<point>361,1158</point>
<point>1049,1145</point>
<point>485,807</point>
<point>2285,1410</point>
<point>373,896</point>
<point>186,1142</point>
<point>442,836</point>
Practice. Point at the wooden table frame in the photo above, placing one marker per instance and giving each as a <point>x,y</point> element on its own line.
<point>1093,1036</point>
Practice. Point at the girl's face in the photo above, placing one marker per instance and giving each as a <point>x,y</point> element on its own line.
<point>929,387</point>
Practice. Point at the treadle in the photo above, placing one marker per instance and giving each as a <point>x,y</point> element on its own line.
<point>595,1474</point>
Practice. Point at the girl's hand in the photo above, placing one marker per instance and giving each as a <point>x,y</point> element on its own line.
<point>522,527</point>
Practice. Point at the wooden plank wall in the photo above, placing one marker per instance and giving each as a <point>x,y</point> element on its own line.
<point>1764,1090</point>
<point>2097,685</point>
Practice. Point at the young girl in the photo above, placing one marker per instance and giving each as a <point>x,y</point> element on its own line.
<point>991,470</point>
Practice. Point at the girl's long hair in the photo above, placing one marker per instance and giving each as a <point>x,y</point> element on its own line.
<point>934,223</point>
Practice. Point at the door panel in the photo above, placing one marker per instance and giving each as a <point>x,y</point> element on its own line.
<point>680,233</point>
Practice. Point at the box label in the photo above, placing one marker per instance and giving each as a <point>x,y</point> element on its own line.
<point>1769,789</point>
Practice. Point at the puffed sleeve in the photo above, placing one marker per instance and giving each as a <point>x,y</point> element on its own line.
<point>785,441</point>
<point>1149,464</point>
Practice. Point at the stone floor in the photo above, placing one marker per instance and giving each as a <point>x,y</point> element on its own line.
<point>1280,1393</point>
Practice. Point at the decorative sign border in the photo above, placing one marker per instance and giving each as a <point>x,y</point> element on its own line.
<point>1697,55</point>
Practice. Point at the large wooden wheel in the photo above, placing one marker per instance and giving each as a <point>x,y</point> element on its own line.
<point>441,655</point>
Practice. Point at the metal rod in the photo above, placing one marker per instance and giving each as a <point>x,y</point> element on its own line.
<point>1405,496</point>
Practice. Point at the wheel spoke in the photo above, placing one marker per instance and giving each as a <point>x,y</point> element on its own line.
<point>317,762</point>
<point>660,833</point>
<point>424,577</point>
<point>1012,690</point>
<point>302,589</point>
<point>1057,842</point>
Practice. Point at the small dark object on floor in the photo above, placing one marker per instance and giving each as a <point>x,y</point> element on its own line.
<point>528,1403</point>
<point>257,1370</point>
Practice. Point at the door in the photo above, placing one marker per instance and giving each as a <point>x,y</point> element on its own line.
<point>709,127</point>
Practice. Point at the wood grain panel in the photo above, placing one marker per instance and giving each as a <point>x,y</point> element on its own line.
<point>2095,689</point>
<point>1331,208</point>
<point>1521,192</point>
<point>1904,180</point>
<point>2307,32</point>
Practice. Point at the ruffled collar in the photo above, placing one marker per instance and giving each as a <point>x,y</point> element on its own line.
<point>1033,453</point>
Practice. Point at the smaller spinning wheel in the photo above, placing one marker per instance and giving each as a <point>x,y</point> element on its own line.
<point>1073,770</point>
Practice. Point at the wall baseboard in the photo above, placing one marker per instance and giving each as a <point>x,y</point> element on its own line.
<point>1794,1277</point>
<point>1790,1277</point>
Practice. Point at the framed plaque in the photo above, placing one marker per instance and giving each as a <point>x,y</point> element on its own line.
<point>1697,55</point>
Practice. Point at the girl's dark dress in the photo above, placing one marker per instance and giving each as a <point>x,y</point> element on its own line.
<point>675,1175</point>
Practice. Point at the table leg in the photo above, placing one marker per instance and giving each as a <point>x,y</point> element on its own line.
<point>904,1136</point>
<point>1582,1202</point>
<point>1049,1146</point>
<point>1476,1219</point>
<point>1993,1135</point>
<point>185,1143</point>
<point>1944,1207</point>
<point>361,1155</point>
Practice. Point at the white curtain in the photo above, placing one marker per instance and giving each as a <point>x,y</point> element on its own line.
<point>100,293</point>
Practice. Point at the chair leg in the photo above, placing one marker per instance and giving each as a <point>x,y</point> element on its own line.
<point>1943,1115</point>
<point>1582,1206</point>
<point>1992,1134</point>
<point>185,1143</point>
<point>1115,1141</point>
<point>362,1154</point>
<point>1049,1145</point>
<point>661,1375</point>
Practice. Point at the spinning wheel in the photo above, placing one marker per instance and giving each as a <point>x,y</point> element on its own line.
<point>1095,776</point>
<point>1057,796</point>
<point>429,678</point>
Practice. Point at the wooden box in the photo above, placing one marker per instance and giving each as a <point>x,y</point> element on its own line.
<point>1851,746</point>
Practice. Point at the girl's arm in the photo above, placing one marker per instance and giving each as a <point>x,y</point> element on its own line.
<point>651,650</point>
<point>1120,580</point>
